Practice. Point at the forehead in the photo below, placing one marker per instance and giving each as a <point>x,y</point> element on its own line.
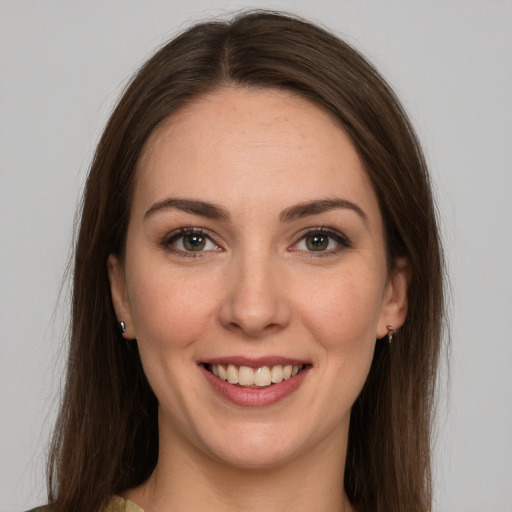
<point>239,144</point>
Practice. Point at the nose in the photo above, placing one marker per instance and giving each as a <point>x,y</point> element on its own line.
<point>254,303</point>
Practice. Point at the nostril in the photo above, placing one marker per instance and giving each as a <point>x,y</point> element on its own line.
<point>254,329</point>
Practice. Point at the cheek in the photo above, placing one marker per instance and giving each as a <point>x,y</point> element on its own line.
<point>343,314</point>
<point>170,313</point>
<point>169,310</point>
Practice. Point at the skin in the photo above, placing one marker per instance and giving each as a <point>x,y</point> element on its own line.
<point>256,290</point>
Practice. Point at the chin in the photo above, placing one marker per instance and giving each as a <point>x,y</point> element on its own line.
<point>262,446</point>
<point>256,457</point>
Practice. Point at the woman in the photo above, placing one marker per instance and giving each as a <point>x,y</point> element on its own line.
<point>257,300</point>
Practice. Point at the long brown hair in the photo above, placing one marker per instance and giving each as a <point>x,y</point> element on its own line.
<point>106,438</point>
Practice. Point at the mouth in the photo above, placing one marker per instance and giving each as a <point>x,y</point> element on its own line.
<point>254,378</point>
<point>255,382</point>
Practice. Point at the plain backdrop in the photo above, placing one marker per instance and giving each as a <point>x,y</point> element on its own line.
<point>62,66</point>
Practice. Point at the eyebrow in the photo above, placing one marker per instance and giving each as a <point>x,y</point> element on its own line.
<point>319,206</point>
<point>213,211</point>
<point>201,208</point>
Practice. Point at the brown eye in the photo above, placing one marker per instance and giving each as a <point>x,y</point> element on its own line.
<point>189,241</point>
<point>317,242</point>
<point>323,242</point>
<point>195,242</point>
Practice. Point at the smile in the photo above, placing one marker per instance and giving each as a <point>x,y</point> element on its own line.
<point>247,377</point>
<point>255,382</point>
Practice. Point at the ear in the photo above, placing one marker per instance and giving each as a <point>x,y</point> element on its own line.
<point>395,303</point>
<point>119,295</point>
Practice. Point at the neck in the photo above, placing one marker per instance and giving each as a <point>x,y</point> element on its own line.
<point>186,479</point>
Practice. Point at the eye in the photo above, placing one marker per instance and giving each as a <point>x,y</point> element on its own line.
<point>321,241</point>
<point>189,240</point>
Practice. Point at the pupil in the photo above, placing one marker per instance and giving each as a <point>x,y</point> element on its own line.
<point>194,242</point>
<point>317,242</point>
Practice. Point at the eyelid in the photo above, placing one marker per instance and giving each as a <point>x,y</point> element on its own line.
<point>174,235</point>
<point>340,238</point>
<point>342,241</point>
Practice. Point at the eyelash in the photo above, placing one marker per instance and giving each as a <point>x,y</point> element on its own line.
<point>172,237</point>
<point>340,239</point>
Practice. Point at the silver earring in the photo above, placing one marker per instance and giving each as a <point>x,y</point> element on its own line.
<point>122,327</point>
<point>391,333</point>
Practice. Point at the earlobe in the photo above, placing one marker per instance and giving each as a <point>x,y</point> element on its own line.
<point>119,296</point>
<point>395,303</point>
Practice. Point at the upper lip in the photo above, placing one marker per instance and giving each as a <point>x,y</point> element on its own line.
<point>257,362</point>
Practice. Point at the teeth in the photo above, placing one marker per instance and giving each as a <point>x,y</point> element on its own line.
<point>277,374</point>
<point>259,377</point>
<point>262,377</point>
<point>223,374</point>
<point>232,374</point>
<point>245,376</point>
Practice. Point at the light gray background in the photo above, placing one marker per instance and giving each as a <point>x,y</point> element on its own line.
<point>62,66</point>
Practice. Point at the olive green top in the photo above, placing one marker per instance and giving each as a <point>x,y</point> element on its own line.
<point>116,504</point>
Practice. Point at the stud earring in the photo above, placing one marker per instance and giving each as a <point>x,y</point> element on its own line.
<point>391,333</point>
<point>122,327</point>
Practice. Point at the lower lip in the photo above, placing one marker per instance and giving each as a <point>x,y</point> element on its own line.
<point>249,397</point>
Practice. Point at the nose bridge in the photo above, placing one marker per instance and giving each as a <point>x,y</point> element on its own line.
<point>254,302</point>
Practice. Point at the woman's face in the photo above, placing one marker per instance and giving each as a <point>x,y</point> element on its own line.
<point>255,245</point>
